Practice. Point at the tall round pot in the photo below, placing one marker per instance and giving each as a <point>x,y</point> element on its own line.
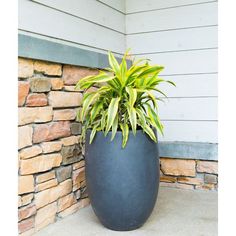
<point>122,183</point>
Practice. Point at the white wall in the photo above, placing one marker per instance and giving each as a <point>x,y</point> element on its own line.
<point>182,36</point>
<point>91,24</point>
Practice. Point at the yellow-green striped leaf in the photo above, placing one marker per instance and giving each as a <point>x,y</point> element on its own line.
<point>95,110</point>
<point>114,127</point>
<point>155,119</point>
<point>113,63</point>
<point>132,95</point>
<point>149,132</point>
<point>112,110</point>
<point>132,117</point>
<point>150,70</point>
<point>87,101</point>
<point>125,133</point>
<point>92,135</point>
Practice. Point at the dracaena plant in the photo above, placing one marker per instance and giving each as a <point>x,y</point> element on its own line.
<point>124,99</point>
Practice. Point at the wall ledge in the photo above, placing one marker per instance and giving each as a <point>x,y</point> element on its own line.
<point>42,49</point>
<point>189,150</point>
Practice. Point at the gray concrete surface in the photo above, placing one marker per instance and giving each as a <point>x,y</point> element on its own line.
<point>177,213</point>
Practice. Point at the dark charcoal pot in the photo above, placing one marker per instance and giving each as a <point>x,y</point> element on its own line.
<point>122,184</point>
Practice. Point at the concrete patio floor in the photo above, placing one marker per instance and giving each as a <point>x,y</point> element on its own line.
<point>177,213</point>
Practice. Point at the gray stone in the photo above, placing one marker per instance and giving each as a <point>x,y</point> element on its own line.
<point>76,128</point>
<point>40,85</point>
<point>78,194</point>
<point>71,154</point>
<point>210,179</point>
<point>64,173</point>
<point>83,193</point>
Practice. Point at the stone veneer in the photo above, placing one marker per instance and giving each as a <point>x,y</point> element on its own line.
<point>189,174</point>
<point>51,158</point>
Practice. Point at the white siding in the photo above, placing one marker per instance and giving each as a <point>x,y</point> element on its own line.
<point>119,5</point>
<point>89,23</point>
<point>133,6</point>
<point>182,36</point>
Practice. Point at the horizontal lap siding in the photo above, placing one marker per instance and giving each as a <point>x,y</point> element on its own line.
<point>119,5</point>
<point>90,10</point>
<point>190,131</point>
<point>133,6</point>
<point>182,36</point>
<point>57,20</point>
<point>174,18</point>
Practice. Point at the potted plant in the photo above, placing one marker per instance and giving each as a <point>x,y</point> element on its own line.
<point>120,120</point>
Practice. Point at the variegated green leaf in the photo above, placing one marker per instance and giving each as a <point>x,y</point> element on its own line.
<point>96,109</point>
<point>132,117</point>
<point>149,132</point>
<point>132,95</point>
<point>93,133</point>
<point>87,101</point>
<point>125,133</point>
<point>114,64</point>
<point>114,127</point>
<point>155,119</point>
<point>112,110</point>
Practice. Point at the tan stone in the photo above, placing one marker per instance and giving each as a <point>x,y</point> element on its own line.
<point>46,185</point>
<point>48,132</point>
<point>45,177</point>
<point>48,68</point>
<point>82,203</point>
<point>26,199</point>
<point>25,68</point>
<point>30,152</point>
<point>45,216</point>
<point>25,225</point>
<point>206,187</point>
<point>50,195</point>
<point>184,186</point>
<point>26,212</point>
<point>78,178</point>
<point>36,100</point>
<point>40,163</point>
<point>72,74</point>
<point>64,99</point>
<point>28,115</point>
<point>23,90</point>
<point>71,89</point>
<point>188,180</point>
<point>66,202</point>
<point>168,179</point>
<point>57,83</point>
<point>210,167</point>
<point>30,232</point>
<point>178,167</point>
<point>65,114</point>
<point>51,146</point>
<point>25,184</point>
<point>176,185</point>
<point>69,140</point>
<point>92,89</point>
<point>24,136</point>
<point>19,201</point>
<point>78,165</point>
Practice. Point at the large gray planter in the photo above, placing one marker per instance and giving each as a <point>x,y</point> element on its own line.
<point>122,184</point>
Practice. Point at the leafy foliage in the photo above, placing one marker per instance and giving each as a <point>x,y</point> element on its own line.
<point>123,100</point>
